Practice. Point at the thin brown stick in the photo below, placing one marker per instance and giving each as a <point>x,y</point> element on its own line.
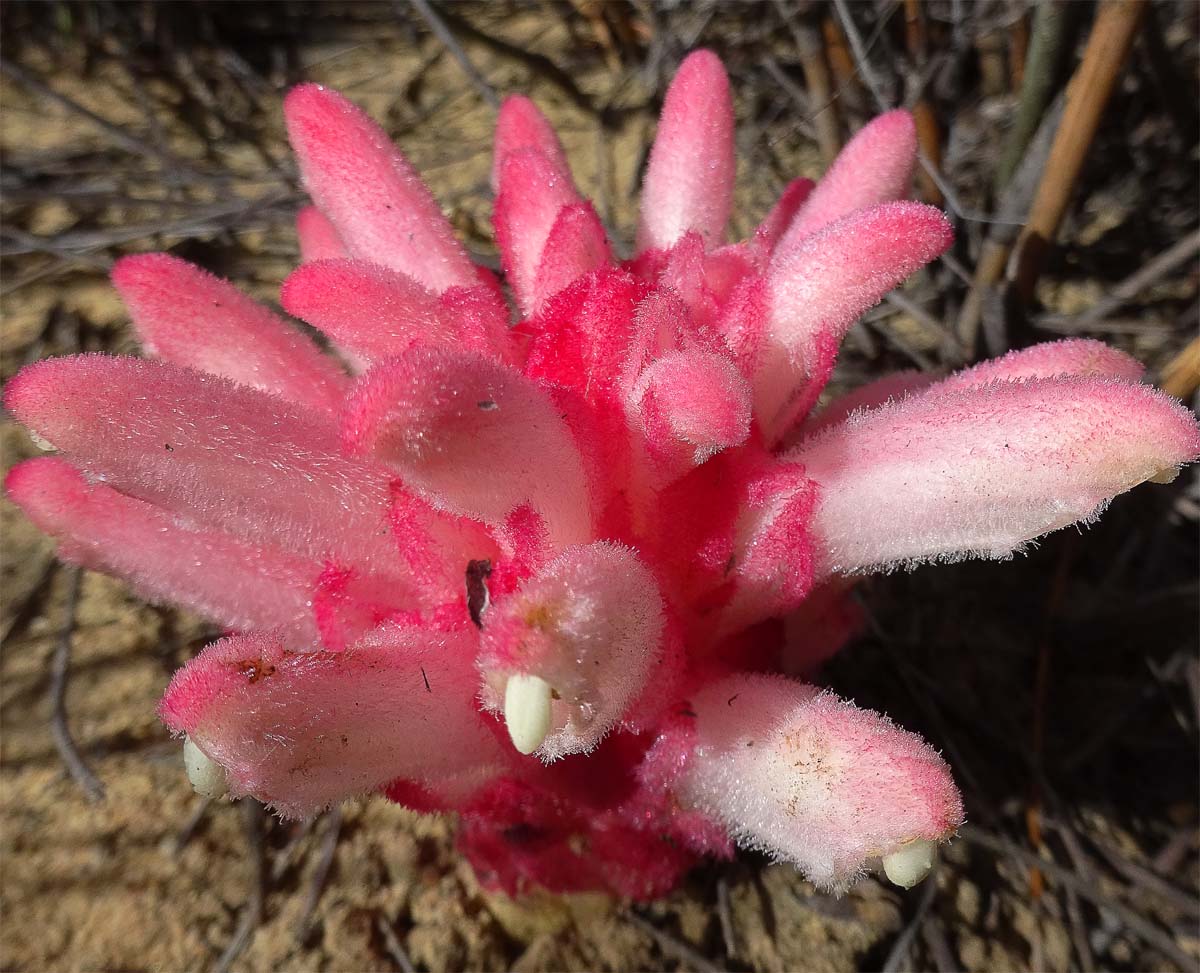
<point>60,669</point>
<point>538,63</point>
<point>22,613</point>
<point>841,65</point>
<point>930,141</point>
<point>822,107</point>
<point>1079,935</point>
<point>993,67</point>
<point>1018,50</point>
<point>928,134</point>
<point>1181,377</point>
<point>1087,95</point>
<point>875,86</point>
<point>903,302</point>
<point>1144,880</point>
<point>939,949</point>
<point>725,914</point>
<point>1011,208</point>
<point>287,855</point>
<point>191,825</point>
<point>208,219</point>
<point>119,135</point>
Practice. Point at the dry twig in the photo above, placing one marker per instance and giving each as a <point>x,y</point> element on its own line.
<point>672,945</point>
<point>60,668</point>
<point>822,107</point>
<point>393,945</point>
<point>320,876</point>
<point>1087,94</point>
<point>443,34</point>
<point>1181,377</point>
<point>899,951</point>
<point>1148,274</point>
<point>1138,924</point>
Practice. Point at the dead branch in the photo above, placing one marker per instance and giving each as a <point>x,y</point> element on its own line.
<point>60,669</point>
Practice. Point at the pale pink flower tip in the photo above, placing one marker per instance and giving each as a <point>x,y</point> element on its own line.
<point>514,559</point>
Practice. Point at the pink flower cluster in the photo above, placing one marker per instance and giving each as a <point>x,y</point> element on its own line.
<point>547,574</point>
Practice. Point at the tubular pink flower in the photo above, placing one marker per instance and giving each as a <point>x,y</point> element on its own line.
<point>537,573</point>
<point>964,469</point>
<point>876,166</point>
<point>239,585</point>
<point>520,126</point>
<point>303,730</point>
<point>578,643</point>
<point>689,179</point>
<point>1081,357</point>
<point>477,438</point>
<point>185,315</point>
<point>532,207</point>
<point>225,455</point>
<point>372,196</point>
<point>317,237</point>
<point>811,779</point>
<point>819,288</point>
<point>373,313</point>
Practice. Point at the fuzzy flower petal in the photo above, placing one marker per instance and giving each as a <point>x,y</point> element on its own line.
<point>814,780</point>
<point>822,286</point>
<point>224,455</point>
<point>478,438</point>
<point>689,180</point>
<point>187,316</point>
<point>984,469</point>
<point>239,585</point>
<point>316,236</point>
<point>572,649</point>
<point>876,166</point>
<point>304,730</point>
<point>371,194</point>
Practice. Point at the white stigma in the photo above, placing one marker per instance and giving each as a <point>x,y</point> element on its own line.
<point>207,776</point>
<point>527,711</point>
<point>910,863</point>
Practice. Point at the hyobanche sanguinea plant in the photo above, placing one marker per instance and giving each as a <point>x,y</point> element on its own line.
<point>549,574</point>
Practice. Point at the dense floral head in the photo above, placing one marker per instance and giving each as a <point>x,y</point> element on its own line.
<point>544,573</point>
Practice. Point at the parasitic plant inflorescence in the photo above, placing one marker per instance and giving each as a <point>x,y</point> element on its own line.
<point>546,573</point>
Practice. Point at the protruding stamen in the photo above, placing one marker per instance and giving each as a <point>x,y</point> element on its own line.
<point>207,776</point>
<point>1166,475</point>
<point>910,863</point>
<point>527,711</point>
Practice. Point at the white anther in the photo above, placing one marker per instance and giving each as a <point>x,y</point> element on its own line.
<point>1166,475</point>
<point>527,711</point>
<point>207,776</point>
<point>42,443</point>
<point>910,863</point>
